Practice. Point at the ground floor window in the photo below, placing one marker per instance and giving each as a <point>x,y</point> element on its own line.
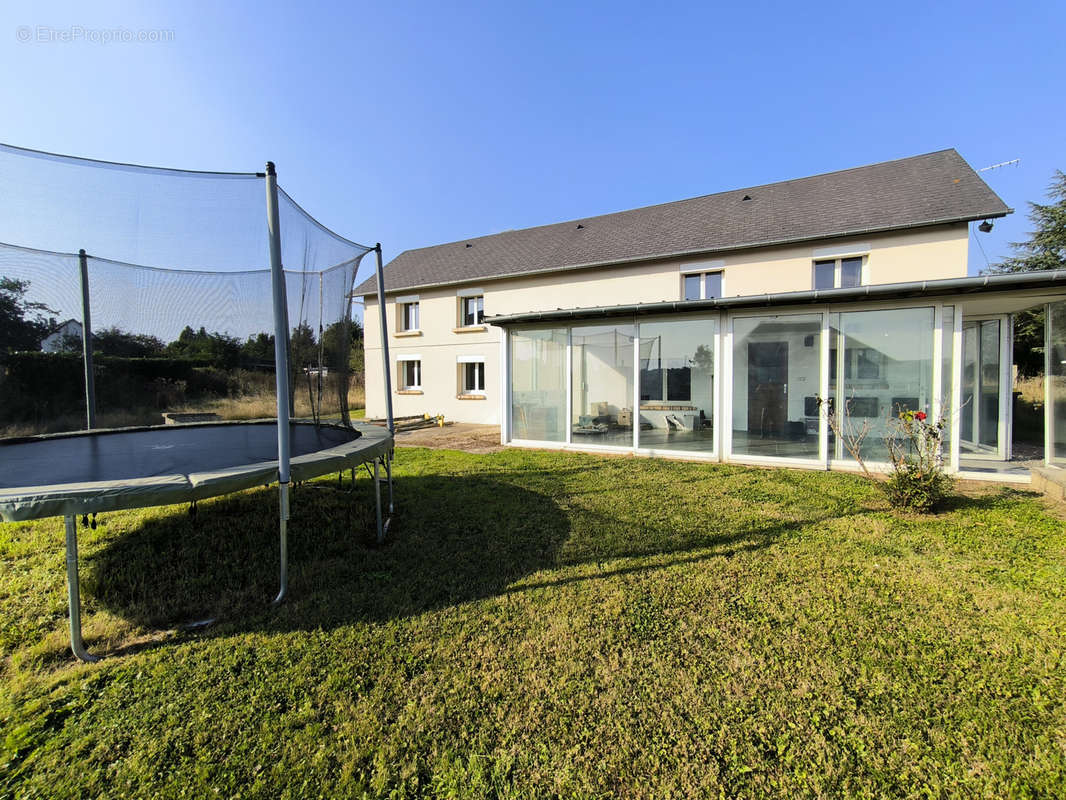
<point>538,384</point>
<point>410,370</point>
<point>785,382</point>
<point>472,376</point>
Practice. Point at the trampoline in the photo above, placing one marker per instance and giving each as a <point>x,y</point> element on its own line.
<point>76,474</point>
<point>183,285</point>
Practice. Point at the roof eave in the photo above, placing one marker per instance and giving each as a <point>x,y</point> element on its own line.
<point>884,291</point>
<point>692,253</point>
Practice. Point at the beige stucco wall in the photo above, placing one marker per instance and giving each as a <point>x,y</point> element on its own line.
<point>924,254</point>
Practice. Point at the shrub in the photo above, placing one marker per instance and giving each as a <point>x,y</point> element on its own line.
<point>917,482</point>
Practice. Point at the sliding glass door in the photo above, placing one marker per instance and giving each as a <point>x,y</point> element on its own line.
<point>881,365</point>
<point>602,366</point>
<point>776,364</point>
<point>677,385</point>
<point>982,413</point>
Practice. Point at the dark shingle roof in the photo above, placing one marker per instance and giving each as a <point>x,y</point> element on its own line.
<point>909,192</point>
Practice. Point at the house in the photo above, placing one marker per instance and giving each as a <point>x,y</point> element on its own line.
<point>722,327</point>
<point>53,342</point>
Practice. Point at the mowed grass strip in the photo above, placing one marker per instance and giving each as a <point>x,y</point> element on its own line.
<point>546,625</point>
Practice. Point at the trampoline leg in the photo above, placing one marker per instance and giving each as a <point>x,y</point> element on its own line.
<point>388,471</point>
<point>283,523</point>
<point>73,593</point>
<point>377,497</point>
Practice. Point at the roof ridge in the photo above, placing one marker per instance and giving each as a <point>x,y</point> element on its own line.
<point>687,199</point>
<point>933,188</point>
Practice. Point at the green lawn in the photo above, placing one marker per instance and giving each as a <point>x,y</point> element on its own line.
<point>547,625</point>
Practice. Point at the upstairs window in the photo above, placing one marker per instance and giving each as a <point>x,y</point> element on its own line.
<point>472,311</point>
<point>409,316</point>
<point>703,285</point>
<point>838,273</point>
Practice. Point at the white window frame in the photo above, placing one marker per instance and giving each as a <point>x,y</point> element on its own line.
<point>479,313</point>
<point>838,268</point>
<point>702,271</point>
<point>401,368</point>
<point>463,362</point>
<point>403,305</point>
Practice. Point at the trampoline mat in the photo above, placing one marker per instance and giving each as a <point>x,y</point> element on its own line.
<point>151,452</point>
<point>108,470</point>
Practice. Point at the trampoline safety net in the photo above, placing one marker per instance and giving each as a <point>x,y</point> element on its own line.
<point>177,266</point>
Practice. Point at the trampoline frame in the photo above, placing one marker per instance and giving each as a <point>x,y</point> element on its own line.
<point>69,507</point>
<point>373,442</point>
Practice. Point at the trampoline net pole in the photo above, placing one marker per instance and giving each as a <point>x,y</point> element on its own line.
<point>384,340</point>
<point>283,541</point>
<point>87,343</point>
<point>281,367</point>
<point>77,646</point>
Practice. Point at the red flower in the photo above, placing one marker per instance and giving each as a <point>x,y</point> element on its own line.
<point>920,416</point>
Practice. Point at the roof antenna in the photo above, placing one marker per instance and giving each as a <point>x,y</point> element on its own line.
<point>1012,163</point>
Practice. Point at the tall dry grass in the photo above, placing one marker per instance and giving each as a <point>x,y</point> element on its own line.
<point>1032,389</point>
<point>256,402</point>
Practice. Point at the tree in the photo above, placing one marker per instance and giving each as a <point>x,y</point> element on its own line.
<point>114,341</point>
<point>340,351</point>
<point>259,349</point>
<point>23,323</point>
<point>218,348</point>
<point>1044,250</point>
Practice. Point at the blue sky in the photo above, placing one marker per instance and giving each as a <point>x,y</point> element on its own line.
<point>418,123</point>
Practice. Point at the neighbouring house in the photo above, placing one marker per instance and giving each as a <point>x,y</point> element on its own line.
<point>725,326</point>
<point>53,342</point>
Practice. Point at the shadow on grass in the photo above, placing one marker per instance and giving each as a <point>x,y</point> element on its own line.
<point>455,539</point>
<point>995,497</point>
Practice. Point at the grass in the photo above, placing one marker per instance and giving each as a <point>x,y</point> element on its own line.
<point>547,625</point>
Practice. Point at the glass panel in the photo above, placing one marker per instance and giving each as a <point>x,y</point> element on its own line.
<point>692,287</point>
<point>410,316</point>
<point>980,387</point>
<point>473,310</point>
<point>713,285</point>
<point>850,273</point>
<point>538,385</point>
<point>776,366</point>
<point>988,406</point>
<point>968,407</point>
<point>824,277</point>
<point>602,385</point>
<point>474,377</point>
<point>410,375</point>
<point>677,385</point>
<point>888,368</point>
<point>946,361</point>
<point>1057,322</point>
